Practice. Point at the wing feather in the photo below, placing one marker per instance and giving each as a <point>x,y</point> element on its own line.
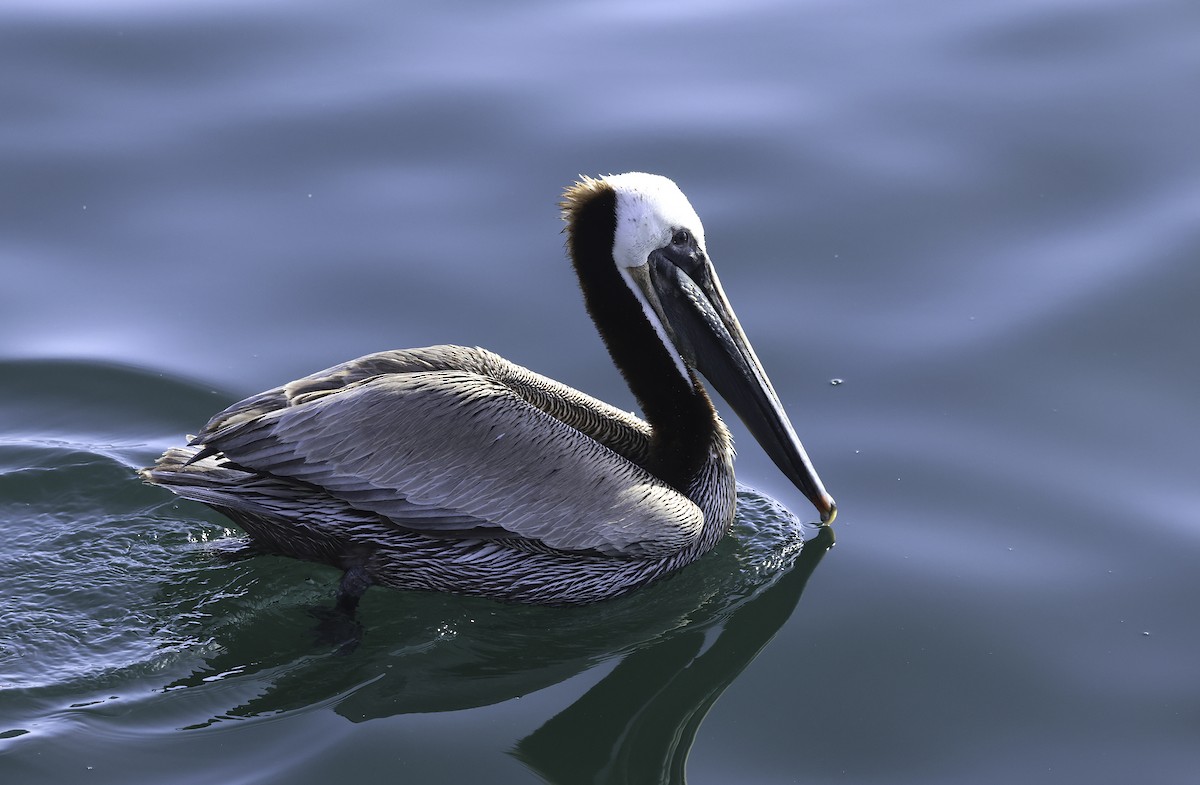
<point>449,451</point>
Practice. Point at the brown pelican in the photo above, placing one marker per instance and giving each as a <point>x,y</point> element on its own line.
<point>452,469</point>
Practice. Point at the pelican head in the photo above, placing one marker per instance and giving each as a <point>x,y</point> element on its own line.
<point>650,233</point>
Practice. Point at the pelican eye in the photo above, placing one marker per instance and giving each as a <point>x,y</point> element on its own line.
<point>684,252</point>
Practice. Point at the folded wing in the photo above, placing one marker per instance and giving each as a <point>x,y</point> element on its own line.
<point>458,452</point>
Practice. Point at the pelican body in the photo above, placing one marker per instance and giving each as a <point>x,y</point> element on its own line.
<point>451,469</point>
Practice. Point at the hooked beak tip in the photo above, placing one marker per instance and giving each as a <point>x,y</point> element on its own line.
<point>828,509</point>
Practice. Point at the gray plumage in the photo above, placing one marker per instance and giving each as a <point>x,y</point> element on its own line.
<point>451,469</point>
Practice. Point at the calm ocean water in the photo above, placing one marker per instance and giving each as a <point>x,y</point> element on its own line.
<point>984,219</point>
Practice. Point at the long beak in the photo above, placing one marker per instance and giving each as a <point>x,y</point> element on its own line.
<point>708,336</point>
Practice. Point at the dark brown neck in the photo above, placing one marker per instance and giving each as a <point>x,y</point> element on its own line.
<point>681,415</point>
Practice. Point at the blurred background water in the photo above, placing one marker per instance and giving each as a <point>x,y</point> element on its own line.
<point>983,218</point>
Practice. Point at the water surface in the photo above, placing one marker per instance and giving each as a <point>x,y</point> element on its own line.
<point>984,219</point>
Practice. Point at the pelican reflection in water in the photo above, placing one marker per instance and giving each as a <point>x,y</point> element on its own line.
<point>451,469</point>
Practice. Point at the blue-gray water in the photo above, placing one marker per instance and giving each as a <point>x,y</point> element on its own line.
<point>984,218</point>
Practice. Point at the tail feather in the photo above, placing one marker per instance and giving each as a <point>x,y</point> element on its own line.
<point>281,516</point>
<point>230,487</point>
